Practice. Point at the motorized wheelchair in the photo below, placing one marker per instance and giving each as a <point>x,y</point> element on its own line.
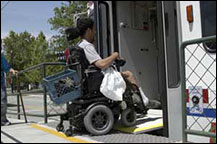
<point>92,110</point>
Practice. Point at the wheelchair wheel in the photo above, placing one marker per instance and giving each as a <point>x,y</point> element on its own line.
<point>69,132</point>
<point>128,117</point>
<point>60,128</point>
<point>99,120</point>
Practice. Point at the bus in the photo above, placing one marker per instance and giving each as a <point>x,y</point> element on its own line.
<point>149,34</point>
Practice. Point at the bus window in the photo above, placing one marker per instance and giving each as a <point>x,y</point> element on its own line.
<point>208,20</point>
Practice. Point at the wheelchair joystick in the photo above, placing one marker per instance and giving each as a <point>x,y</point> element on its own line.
<point>120,62</point>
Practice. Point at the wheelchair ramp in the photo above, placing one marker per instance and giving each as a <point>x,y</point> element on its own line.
<point>152,121</point>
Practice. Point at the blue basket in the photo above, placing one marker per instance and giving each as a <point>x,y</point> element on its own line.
<point>63,87</point>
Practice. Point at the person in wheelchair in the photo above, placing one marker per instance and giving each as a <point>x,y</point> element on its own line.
<point>86,31</point>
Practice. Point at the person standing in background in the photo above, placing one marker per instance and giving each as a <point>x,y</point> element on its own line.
<point>5,68</point>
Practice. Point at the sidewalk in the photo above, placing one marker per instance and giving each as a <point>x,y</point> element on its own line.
<point>38,132</point>
<point>21,132</point>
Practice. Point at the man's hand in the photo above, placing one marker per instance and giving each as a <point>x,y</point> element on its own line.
<point>13,72</point>
<point>116,55</point>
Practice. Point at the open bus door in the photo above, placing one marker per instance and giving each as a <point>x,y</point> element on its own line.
<point>136,30</point>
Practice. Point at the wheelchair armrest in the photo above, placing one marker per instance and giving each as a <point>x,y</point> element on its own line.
<point>73,64</point>
<point>92,69</point>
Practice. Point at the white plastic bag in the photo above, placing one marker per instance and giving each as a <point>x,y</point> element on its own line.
<point>113,85</point>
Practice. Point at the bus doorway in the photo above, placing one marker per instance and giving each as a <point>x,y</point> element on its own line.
<point>135,30</point>
<point>140,42</point>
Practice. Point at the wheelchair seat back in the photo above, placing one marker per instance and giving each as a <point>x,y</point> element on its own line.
<point>90,76</point>
<point>77,55</point>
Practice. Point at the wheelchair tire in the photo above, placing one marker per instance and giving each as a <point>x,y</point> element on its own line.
<point>69,132</point>
<point>60,128</point>
<point>99,120</point>
<point>128,117</point>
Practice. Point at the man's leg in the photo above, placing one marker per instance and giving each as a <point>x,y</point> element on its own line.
<point>3,102</point>
<point>148,103</point>
<point>129,76</point>
<point>4,120</point>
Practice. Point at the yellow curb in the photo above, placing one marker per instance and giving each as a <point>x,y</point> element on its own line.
<point>61,135</point>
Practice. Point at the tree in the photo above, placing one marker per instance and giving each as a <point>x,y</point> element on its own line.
<point>37,54</point>
<point>18,49</point>
<point>24,51</point>
<point>64,18</point>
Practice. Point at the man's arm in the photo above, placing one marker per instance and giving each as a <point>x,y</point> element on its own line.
<point>105,63</point>
<point>6,67</point>
<point>4,64</point>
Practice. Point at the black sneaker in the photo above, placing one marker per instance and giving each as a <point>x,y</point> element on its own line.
<point>153,104</point>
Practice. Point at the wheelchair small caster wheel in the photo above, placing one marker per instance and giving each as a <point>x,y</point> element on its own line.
<point>69,132</point>
<point>128,117</point>
<point>60,128</point>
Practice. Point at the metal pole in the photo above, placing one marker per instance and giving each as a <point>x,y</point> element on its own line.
<point>21,99</point>
<point>18,101</point>
<point>45,94</point>
<point>42,66</point>
<point>184,98</point>
<point>35,115</point>
<point>18,106</point>
<point>200,133</point>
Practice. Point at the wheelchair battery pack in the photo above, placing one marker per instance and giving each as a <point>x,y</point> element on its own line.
<point>63,87</point>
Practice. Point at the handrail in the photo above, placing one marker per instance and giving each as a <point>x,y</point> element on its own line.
<point>184,96</point>
<point>40,65</point>
<point>19,94</point>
